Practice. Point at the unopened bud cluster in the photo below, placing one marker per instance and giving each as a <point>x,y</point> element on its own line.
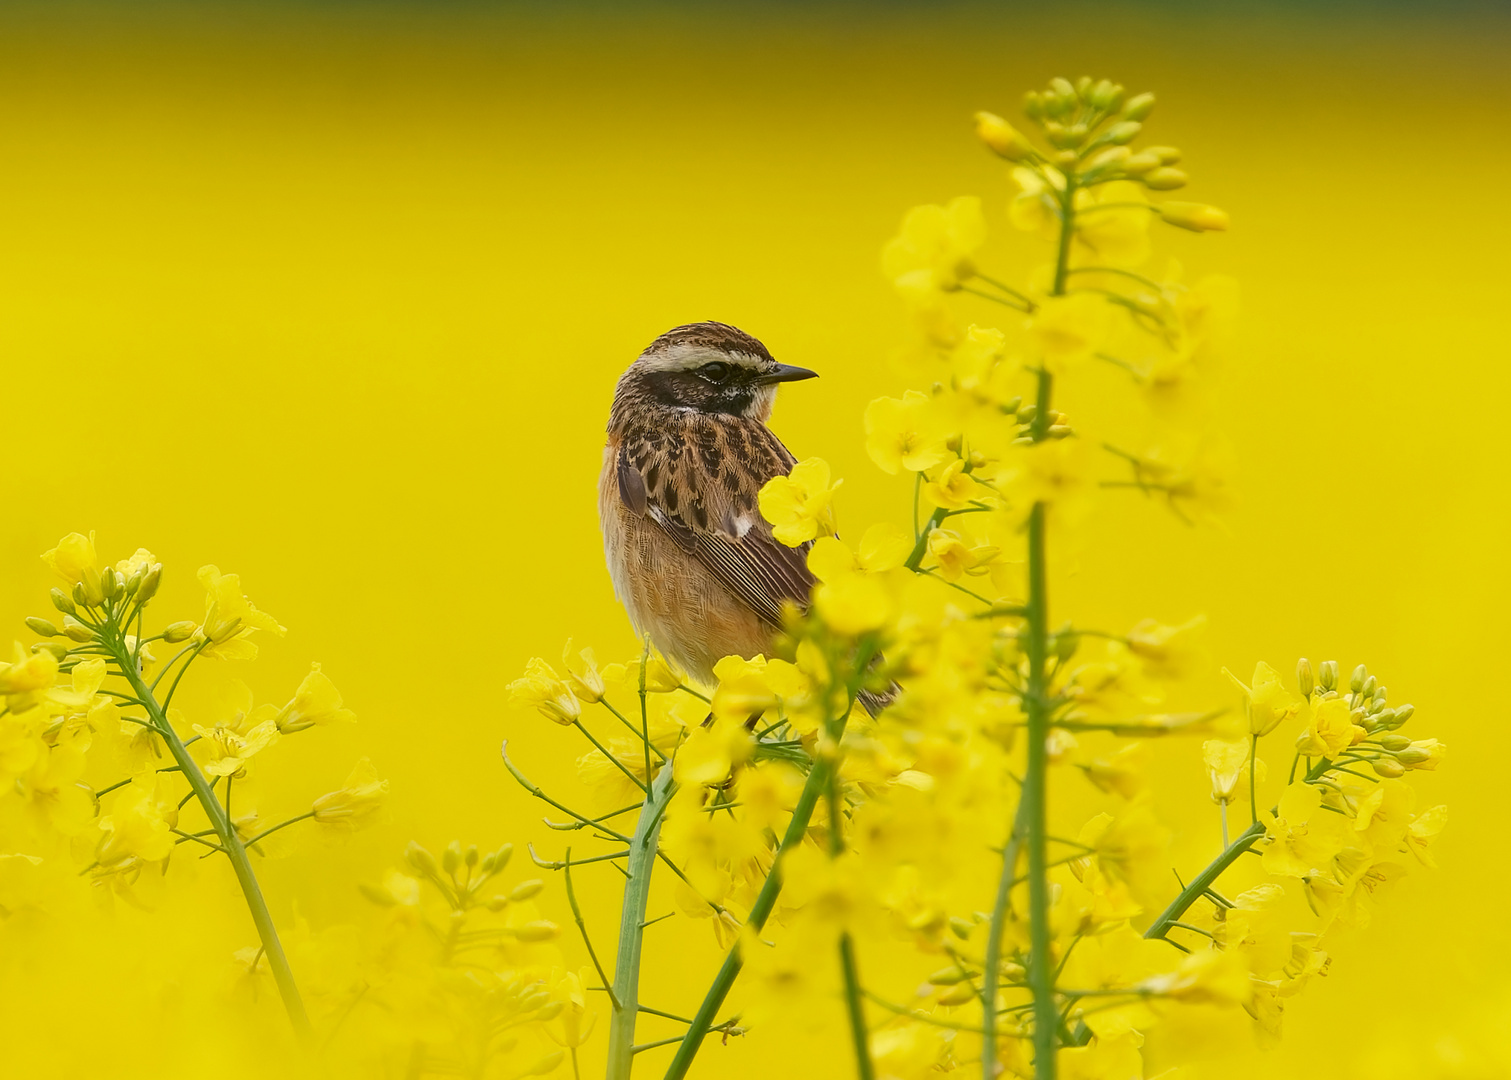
<point>1090,124</point>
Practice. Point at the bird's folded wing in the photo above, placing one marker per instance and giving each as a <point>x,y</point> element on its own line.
<point>711,513</point>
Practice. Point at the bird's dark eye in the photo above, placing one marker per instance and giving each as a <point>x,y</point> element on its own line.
<point>716,372</point>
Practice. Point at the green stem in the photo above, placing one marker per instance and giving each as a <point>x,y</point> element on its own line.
<point>998,926</point>
<point>626,989</point>
<point>864,1069</point>
<point>1035,797</point>
<point>267,933</point>
<point>797,828</point>
<point>1203,882</point>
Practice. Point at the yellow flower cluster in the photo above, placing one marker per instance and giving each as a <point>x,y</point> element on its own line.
<point>914,860</point>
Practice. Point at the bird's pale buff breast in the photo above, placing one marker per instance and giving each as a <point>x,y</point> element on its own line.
<point>667,592</point>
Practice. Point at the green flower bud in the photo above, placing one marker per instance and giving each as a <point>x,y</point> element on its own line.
<point>1389,768</point>
<point>57,648</point>
<point>110,588</point>
<point>1033,108</point>
<point>41,627</point>
<point>501,858</point>
<point>1003,139</point>
<point>1123,132</point>
<point>1165,178</point>
<point>1394,742</point>
<point>949,976</point>
<point>1371,684</point>
<point>451,858</point>
<point>1138,107</point>
<point>1403,713</point>
<point>1065,644</point>
<point>470,856</point>
<point>1106,96</point>
<point>182,630</point>
<point>1304,680</point>
<point>79,597</point>
<point>958,995</point>
<point>1356,681</point>
<point>421,859</point>
<point>1083,87</point>
<point>75,630</point>
<point>539,930</point>
<point>61,601</point>
<point>150,581</point>
<point>381,897</point>
<point>526,889</point>
<point>1327,675</point>
<point>1197,217</point>
<point>1165,155</point>
<point>92,587</point>
<point>961,928</point>
<point>1412,755</point>
<point>1062,89</point>
<point>135,581</point>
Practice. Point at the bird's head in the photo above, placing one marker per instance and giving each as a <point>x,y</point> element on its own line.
<point>706,367</point>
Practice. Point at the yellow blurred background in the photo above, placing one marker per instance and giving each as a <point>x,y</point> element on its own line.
<point>335,296</point>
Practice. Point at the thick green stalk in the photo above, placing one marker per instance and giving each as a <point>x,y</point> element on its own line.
<point>1034,797</point>
<point>848,968</point>
<point>230,840</point>
<point>802,814</point>
<point>641,861</point>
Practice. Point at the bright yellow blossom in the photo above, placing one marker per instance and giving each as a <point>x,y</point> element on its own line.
<point>316,702</point>
<point>73,555</point>
<point>904,434</point>
<point>356,802</point>
<point>230,618</point>
<point>797,505</point>
<point>542,689</point>
<point>936,245</point>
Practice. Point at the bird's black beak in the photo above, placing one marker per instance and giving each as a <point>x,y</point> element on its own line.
<point>785,373</point>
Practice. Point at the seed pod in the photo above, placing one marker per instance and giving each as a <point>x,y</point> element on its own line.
<point>41,627</point>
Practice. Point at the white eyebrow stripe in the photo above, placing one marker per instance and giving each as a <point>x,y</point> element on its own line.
<point>690,357</point>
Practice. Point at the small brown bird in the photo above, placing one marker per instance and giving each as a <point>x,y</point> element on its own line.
<point>692,559</point>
